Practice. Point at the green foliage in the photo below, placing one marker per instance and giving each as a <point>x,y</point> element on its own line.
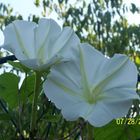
<point>37,2</point>
<point>9,89</point>
<point>6,16</point>
<point>98,22</point>
<point>4,117</point>
<point>113,131</point>
<point>18,66</point>
<point>27,88</point>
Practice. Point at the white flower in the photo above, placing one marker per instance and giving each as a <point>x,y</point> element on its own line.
<point>39,46</point>
<point>93,87</point>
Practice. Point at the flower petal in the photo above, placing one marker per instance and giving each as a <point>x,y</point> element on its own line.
<point>92,60</point>
<point>34,64</point>
<point>19,39</point>
<point>66,41</point>
<point>121,72</point>
<point>40,46</point>
<point>119,94</point>
<point>45,35</point>
<point>99,115</point>
<point>102,113</point>
<point>64,97</point>
<point>96,95</point>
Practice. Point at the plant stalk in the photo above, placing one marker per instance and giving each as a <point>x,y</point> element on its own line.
<point>34,104</point>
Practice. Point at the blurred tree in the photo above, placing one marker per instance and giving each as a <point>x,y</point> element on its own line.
<point>100,22</point>
<point>6,15</point>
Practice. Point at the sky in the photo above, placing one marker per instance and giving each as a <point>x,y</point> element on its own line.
<point>26,7</point>
<point>133,18</point>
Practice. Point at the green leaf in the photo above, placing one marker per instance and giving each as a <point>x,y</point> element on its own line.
<point>9,88</point>
<point>53,118</point>
<point>4,116</point>
<point>19,66</point>
<point>113,131</point>
<point>37,2</point>
<point>27,87</point>
<point>133,8</point>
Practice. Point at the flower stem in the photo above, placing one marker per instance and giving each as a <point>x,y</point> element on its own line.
<point>34,104</point>
<point>90,134</point>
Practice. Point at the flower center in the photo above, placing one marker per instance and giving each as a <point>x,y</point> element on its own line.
<point>94,95</point>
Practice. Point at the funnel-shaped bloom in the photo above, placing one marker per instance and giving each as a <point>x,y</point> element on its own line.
<point>39,46</point>
<point>93,87</point>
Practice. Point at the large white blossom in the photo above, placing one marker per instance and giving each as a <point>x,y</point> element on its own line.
<point>92,86</point>
<point>38,46</point>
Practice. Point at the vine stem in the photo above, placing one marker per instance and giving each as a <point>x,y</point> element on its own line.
<point>90,134</point>
<point>34,104</point>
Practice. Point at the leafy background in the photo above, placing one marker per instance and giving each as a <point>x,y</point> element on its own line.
<point>99,22</point>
